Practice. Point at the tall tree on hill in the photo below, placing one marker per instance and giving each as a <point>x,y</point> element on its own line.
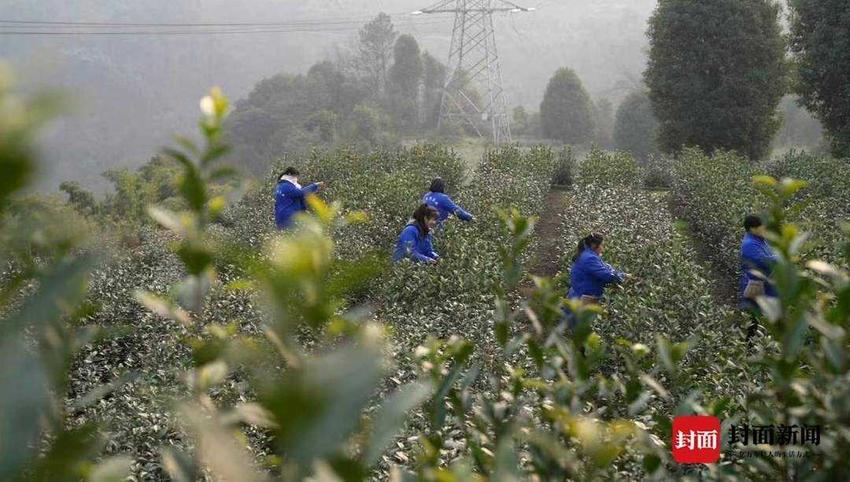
<point>716,74</point>
<point>820,42</point>
<point>406,72</point>
<point>434,76</point>
<point>603,119</point>
<point>566,113</point>
<point>375,51</point>
<point>405,77</point>
<point>635,128</point>
<point>519,122</point>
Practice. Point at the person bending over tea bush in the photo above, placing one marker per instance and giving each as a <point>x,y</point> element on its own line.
<point>290,197</point>
<point>437,198</point>
<point>589,275</point>
<point>415,240</point>
<point>757,260</point>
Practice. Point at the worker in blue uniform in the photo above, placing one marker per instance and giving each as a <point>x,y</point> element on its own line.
<point>437,198</point>
<point>415,240</point>
<point>290,198</point>
<point>757,261</point>
<point>589,274</point>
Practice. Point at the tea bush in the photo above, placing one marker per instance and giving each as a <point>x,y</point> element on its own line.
<point>658,172</point>
<point>609,169</point>
<point>825,201</point>
<point>671,295</point>
<point>37,226</point>
<point>565,168</point>
<point>43,281</point>
<point>713,194</point>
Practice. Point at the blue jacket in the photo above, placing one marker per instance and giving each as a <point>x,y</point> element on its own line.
<point>757,255</point>
<point>289,200</point>
<point>445,206</point>
<point>412,244</point>
<point>589,275</point>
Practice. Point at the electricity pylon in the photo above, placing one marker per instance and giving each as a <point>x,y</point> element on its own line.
<point>474,64</point>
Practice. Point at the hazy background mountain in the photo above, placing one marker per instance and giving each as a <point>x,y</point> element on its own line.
<point>131,92</point>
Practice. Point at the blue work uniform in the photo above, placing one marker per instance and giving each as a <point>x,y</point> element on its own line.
<point>290,200</point>
<point>588,277</point>
<point>756,255</point>
<point>415,245</point>
<point>445,206</point>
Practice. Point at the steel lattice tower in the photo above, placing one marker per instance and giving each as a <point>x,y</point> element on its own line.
<point>473,92</point>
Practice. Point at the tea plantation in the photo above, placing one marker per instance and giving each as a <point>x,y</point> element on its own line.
<point>208,345</point>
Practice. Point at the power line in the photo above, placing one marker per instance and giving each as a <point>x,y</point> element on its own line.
<point>64,24</point>
<point>231,29</point>
<point>167,33</point>
<point>57,27</point>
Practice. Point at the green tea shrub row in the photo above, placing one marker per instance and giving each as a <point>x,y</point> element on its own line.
<point>609,169</point>
<point>565,167</point>
<point>670,293</point>
<point>713,194</point>
<point>455,296</point>
<point>658,172</point>
<point>386,185</point>
<point>825,201</point>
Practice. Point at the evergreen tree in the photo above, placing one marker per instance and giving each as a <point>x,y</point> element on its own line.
<point>603,119</point>
<point>820,41</point>
<point>406,73</point>
<point>405,77</point>
<point>520,120</point>
<point>434,76</point>
<point>566,113</point>
<point>635,128</point>
<point>375,50</point>
<point>716,74</point>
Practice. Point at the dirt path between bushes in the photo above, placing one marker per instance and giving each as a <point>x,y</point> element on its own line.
<point>547,252</point>
<point>724,286</point>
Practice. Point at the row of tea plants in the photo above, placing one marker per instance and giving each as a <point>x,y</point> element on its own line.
<point>456,297</point>
<point>825,201</point>
<point>714,192</point>
<point>668,303</point>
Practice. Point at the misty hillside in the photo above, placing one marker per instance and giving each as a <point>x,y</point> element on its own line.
<point>132,91</point>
